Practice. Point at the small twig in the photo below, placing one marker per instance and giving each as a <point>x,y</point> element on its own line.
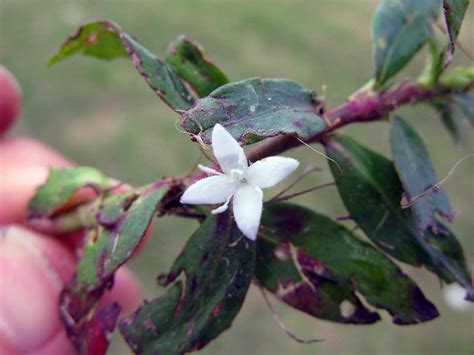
<point>287,197</point>
<point>464,49</point>
<point>205,152</point>
<point>280,322</point>
<point>308,170</point>
<point>457,43</point>
<point>436,186</point>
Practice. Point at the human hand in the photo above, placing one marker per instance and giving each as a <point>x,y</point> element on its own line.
<point>34,267</point>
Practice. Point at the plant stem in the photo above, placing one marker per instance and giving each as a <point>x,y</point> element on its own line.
<point>308,170</point>
<point>366,106</point>
<point>277,318</point>
<point>279,198</point>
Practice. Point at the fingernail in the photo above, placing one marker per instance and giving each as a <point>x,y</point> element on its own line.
<point>30,285</point>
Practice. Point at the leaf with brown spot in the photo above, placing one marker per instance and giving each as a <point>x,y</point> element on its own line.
<point>106,40</point>
<point>371,191</point>
<point>123,221</point>
<point>417,175</point>
<point>320,267</point>
<point>255,109</point>
<point>60,186</point>
<point>399,30</point>
<point>217,266</point>
<point>187,58</point>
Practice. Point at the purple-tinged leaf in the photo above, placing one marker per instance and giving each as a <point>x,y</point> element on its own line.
<point>399,30</point>
<point>106,40</point>
<point>123,221</point>
<point>418,176</point>
<point>457,114</point>
<point>452,120</point>
<point>217,264</point>
<point>445,243</point>
<point>96,39</point>
<point>61,186</point>
<point>98,330</point>
<point>255,109</point>
<point>454,11</point>
<point>188,61</point>
<point>465,102</point>
<point>371,191</point>
<point>317,266</point>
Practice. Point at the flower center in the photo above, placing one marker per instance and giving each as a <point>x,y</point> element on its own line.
<point>238,175</point>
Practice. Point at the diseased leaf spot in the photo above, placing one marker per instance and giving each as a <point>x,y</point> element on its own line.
<point>347,309</point>
<point>282,251</point>
<point>216,309</point>
<point>382,42</point>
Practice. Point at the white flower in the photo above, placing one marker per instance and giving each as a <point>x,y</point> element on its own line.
<point>238,179</point>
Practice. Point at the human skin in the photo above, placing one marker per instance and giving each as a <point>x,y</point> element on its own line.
<point>34,267</point>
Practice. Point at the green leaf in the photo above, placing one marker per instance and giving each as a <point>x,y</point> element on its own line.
<point>371,191</point>
<point>465,102</point>
<point>435,62</point>
<point>217,264</point>
<point>123,221</point>
<point>96,39</point>
<point>399,30</point>
<point>456,113</point>
<point>187,59</point>
<point>458,78</point>
<point>446,245</point>
<point>452,121</point>
<point>454,11</point>
<point>255,109</point>
<point>61,186</point>
<point>417,175</point>
<point>317,265</point>
<point>106,40</point>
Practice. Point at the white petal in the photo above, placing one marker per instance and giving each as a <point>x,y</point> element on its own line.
<point>228,152</point>
<point>270,171</point>
<point>221,208</point>
<point>248,210</point>
<point>213,189</point>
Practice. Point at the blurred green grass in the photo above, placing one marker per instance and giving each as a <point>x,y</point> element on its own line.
<point>102,114</point>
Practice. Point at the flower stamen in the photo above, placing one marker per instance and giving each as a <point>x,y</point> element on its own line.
<point>208,170</point>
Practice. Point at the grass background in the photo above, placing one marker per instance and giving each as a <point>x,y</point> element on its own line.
<point>102,114</point>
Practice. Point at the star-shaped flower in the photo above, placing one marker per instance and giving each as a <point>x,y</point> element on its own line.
<point>238,180</point>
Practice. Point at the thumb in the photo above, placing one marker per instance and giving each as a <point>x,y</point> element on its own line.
<point>33,269</point>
